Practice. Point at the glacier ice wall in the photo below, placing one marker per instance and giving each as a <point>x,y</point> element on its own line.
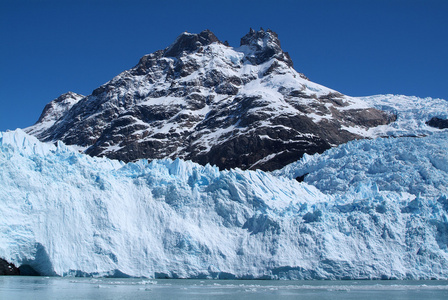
<point>64,213</point>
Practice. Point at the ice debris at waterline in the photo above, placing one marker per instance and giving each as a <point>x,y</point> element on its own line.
<point>65,213</point>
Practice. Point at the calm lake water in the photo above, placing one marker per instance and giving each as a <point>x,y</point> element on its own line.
<point>19,287</point>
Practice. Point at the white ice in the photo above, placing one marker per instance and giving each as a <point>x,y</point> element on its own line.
<point>66,213</point>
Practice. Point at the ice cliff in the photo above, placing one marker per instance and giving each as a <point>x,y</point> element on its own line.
<point>381,212</point>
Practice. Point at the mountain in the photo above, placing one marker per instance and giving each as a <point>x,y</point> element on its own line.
<point>202,100</point>
<point>369,209</point>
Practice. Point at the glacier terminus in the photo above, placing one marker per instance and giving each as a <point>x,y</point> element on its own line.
<point>66,213</point>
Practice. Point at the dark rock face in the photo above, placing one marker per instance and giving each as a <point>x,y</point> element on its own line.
<point>301,178</point>
<point>438,123</point>
<point>202,100</point>
<point>188,42</point>
<point>266,45</point>
<point>8,268</point>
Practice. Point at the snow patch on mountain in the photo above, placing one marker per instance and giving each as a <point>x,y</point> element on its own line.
<point>65,213</point>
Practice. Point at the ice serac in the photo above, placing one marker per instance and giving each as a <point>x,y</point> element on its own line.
<point>202,100</point>
<point>384,215</point>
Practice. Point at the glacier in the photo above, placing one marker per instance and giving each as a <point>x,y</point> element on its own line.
<point>370,209</point>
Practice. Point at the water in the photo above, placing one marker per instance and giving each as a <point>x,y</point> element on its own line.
<point>19,287</point>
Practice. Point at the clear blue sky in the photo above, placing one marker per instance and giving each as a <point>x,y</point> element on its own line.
<point>358,47</point>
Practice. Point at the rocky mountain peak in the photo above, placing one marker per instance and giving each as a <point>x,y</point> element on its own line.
<point>56,108</point>
<point>190,42</point>
<point>265,45</point>
<point>67,96</point>
<point>260,38</point>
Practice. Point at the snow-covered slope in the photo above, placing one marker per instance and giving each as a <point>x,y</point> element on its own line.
<point>67,213</point>
<point>202,100</point>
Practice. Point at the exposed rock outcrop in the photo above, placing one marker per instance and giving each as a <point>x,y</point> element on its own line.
<point>7,268</point>
<point>438,123</point>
